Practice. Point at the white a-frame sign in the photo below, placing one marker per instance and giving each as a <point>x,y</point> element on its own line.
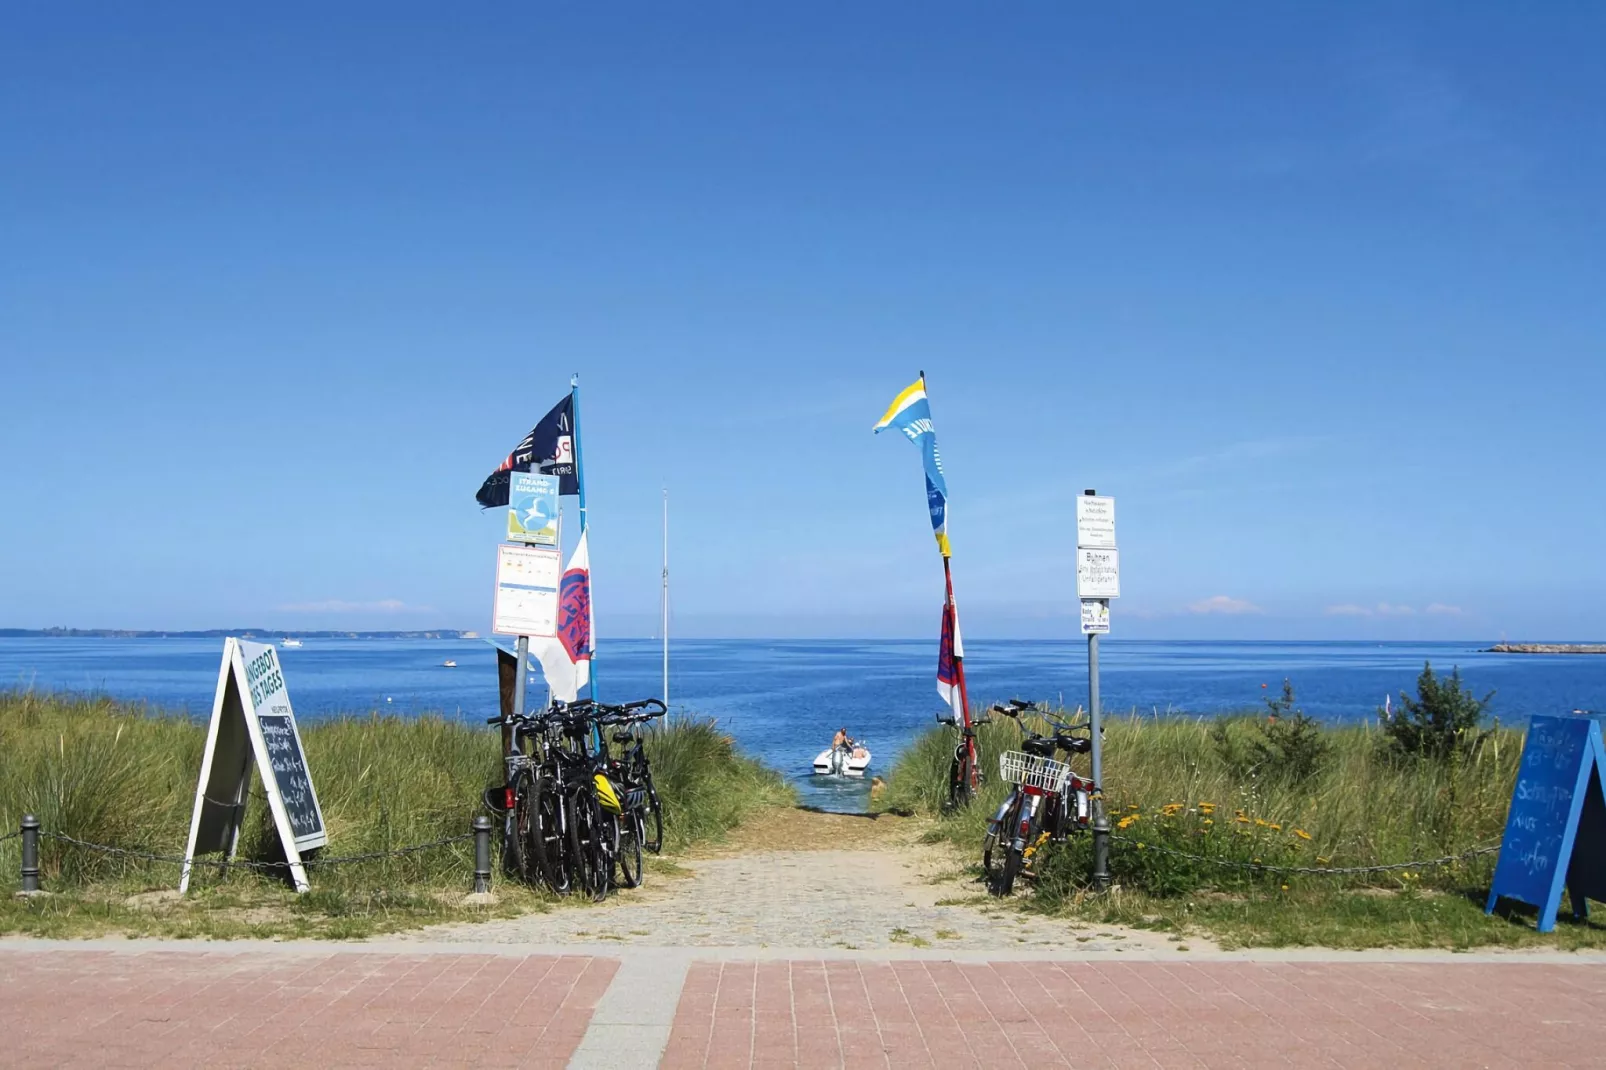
<point>251,717</point>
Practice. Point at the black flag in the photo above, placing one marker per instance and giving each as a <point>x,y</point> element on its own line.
<point>548,448</point>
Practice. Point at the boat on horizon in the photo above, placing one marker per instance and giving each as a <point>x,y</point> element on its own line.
<point>288,643</point>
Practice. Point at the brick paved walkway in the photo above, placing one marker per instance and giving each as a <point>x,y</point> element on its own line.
<point>1139,1014</point>
<point>232,1008</point>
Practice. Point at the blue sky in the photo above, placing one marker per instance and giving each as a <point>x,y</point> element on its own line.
<point>1317,295</point>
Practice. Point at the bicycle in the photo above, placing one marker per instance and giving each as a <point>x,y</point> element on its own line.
<point>638,796</point>
<point>573,813</point>
<point>965,777</point>
<point>1048,803</point>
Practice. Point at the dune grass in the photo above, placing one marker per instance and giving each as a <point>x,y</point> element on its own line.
<point>1171,787</point>
<point>125,776</point>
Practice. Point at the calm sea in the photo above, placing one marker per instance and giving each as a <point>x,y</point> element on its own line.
<point>782,699</point>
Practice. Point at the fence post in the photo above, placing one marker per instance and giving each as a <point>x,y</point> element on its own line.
<point>30,853</point>
<point>482,854</point>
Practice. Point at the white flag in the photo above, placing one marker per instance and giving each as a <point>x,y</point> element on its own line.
<point>566,658</point>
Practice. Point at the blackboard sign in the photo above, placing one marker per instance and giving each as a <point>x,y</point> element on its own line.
<point>290,771</point>
<point>251,717</point>
<point>1556,826</point>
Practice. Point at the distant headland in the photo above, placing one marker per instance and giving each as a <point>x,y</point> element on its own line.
<point>219,633</point>
<point>1547,648</point>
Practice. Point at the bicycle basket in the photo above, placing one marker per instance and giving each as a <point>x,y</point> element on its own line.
<point>1028,770</point>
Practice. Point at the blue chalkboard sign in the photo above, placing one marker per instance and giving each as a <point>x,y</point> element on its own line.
<point>1556,827</point>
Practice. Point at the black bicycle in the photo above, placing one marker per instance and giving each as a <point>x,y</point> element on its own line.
<point>1049,801</point>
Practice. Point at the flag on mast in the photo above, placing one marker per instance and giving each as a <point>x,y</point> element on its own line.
<point>548,448</point>
<point>910,413</point>
<point>566,658</point>
<point>950,652</point>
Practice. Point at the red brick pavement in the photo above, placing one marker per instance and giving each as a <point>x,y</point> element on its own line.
<point>270,1009</point>
<point>1139,1014</point>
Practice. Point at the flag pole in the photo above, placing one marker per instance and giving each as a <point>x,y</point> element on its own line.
<point>580,486</point>
<point>948,582</point>
<point>666,597</point>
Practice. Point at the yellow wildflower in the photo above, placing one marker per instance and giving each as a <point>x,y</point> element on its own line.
<point>1275,828</point>
<point>1127,822</point>
<point>1207,821</point>
<point>1242,820</point>
<point>1285,887</point>
<point>1302,834</point>
<point>1260,823</point>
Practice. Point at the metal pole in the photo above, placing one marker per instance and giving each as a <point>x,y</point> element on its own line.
<point>665,606</point>
<point>482,854</point>
<point>1101,821</point>
<point>30,853</point>
<point>520,681</point>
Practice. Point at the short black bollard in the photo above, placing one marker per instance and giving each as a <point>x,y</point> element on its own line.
<point>30,853</point>
<point>482,854</point>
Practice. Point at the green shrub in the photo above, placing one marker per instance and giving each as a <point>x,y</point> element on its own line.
<point>1444,719</point>
<point>1287,745</point>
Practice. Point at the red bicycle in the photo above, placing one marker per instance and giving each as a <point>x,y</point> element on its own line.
<point>1049,801</point>
<point>965,776</point>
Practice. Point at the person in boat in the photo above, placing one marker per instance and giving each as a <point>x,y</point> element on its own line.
<point>841,740</point>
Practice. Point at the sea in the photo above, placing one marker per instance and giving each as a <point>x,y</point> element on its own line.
<point>782,699</point>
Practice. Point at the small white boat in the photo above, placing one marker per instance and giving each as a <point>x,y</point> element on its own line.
<point>843,761</point>
<point>289,643</point>
<point>448,664</point>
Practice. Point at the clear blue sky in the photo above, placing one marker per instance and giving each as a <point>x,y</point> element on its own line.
<point>1317,294</point>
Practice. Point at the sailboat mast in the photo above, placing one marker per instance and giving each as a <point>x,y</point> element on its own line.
<point>664,598</point>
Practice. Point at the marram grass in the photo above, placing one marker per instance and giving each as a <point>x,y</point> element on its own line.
<point>1170,790</point>
<point>125,775</point>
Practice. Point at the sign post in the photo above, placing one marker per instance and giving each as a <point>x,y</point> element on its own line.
<point>527,581</point>
<point>1098,579</point>
<point>251,717</point>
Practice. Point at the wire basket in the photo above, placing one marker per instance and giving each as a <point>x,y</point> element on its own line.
<point>1029,770</point>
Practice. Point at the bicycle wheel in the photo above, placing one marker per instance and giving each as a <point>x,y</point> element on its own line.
<point>653,819</point>
<point>591,866</point>
<point>517,833</point>
<point>999,847</point>
<point>549,844</point>
<point>629,853</point>
<point>958,781</point>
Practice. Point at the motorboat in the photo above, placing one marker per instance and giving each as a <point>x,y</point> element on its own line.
<point>290,644</point>
<point>448,664</point>
<point>843,761</point>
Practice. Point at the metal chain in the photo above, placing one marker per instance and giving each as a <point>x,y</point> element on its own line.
<point>10,836</point>
<point>246,863</point>
<point>1327,871</point>
<point>415,848</point>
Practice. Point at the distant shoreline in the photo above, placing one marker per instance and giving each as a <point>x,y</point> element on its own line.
<point>1547,648</point>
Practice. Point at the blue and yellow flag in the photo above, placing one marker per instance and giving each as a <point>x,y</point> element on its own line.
<point>911,414</point>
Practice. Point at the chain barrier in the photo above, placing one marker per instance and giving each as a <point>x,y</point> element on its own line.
<point>1321,871</point>
<point>10,836</point>
<point>310,863</point>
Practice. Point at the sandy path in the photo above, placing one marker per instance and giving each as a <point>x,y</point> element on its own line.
<point>799,879</point>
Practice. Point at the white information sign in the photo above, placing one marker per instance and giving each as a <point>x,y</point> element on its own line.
<point>1095,522</point>
<point>527,580</point>
<point>1098,573</point>
<point>1095,616</point>
<point>252,719</point>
